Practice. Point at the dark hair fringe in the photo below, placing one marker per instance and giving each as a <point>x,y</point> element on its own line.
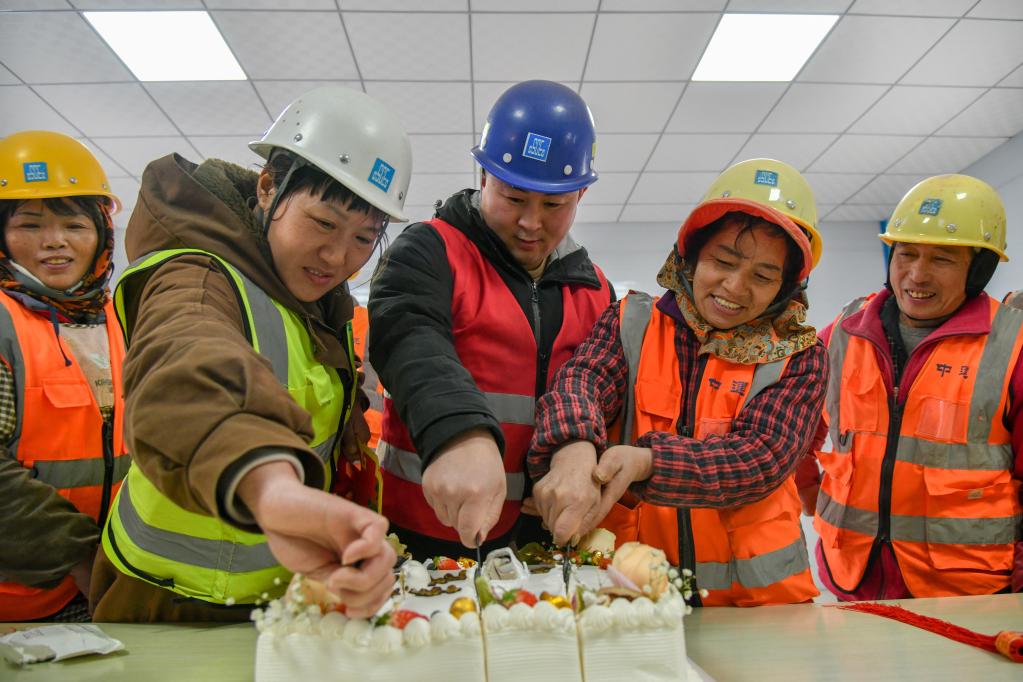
<point>314,181</point>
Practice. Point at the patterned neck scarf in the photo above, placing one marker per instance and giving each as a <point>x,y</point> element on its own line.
<point>773,336</point>
<point>82,304</point>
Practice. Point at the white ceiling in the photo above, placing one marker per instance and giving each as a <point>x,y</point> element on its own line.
<point>899,89</point>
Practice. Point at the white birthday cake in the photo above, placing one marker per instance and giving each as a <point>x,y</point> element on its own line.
<point>497,622</point>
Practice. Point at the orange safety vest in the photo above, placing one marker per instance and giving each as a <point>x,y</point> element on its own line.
<point>743,556</point>
<point>495,343</point>
<point>59,434</point>
<point>932,476</point>
<point>362,482</point>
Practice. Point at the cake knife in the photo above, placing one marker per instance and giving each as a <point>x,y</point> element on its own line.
<point>566,569</point>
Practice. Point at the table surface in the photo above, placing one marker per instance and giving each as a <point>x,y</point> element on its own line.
<point>791,643</point>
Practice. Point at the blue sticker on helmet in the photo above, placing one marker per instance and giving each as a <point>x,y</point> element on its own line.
<point>382,174</point>
<point>537,147</point>
<point>35,171</point>
<point>930,206</point>
<point>766,177</point>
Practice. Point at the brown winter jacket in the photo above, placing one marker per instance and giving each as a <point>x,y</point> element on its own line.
<point>199,398</point>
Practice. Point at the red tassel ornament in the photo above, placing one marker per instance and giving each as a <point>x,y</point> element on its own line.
<point>1006,642</point>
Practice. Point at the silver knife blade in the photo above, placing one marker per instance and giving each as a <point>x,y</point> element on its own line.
<point>566,569</point>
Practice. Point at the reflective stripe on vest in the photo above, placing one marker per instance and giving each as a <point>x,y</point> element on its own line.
<point>953,514</point>
<point>59,433</point>
<point>497,346</point>
<point>768,532</point>
<point>197,555</point>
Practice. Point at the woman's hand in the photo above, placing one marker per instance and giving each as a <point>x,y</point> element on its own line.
<point>620,466</point>
<point>322,536</point>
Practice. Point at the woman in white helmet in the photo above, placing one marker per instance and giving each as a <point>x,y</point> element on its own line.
<point>240,377</point>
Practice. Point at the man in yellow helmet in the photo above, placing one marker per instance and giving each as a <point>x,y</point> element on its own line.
<point>921,489</point>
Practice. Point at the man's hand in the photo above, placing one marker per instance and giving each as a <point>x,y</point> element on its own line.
<point>620,466</point>
<point>81,573</point>
<point>465,485</point>
<point>568,498</point>
<point>323,536</point>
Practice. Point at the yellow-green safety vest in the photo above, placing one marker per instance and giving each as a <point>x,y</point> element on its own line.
<point>150,537</point>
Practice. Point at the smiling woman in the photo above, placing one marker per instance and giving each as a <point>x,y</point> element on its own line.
<point>61,455</point>
<point>240,326</point>
<point>718,383</point>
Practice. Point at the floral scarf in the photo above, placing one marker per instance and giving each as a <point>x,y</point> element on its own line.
<point>80,305</point>
<point>774,336</point>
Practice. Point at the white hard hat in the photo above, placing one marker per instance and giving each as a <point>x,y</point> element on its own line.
<point>352,138</point>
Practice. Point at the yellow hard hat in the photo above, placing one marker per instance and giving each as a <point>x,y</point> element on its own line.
<point>40,164</point>
<point>952,210</point>
<point>770,189</point>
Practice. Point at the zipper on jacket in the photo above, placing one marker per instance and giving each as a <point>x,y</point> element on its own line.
<point>884,500</point>
<point>686,543</point>
<point>542,357</point>
<point>687,549</point>
<point>108,468</point>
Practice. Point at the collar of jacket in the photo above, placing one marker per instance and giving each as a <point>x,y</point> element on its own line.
<point>569,264</point>
<point>972,318</point>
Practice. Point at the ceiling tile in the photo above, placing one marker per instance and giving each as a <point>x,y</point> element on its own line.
<point>648,46</point>
<point>611,188</point>
<point>418,46</point>
<point>1014,79</point>
<point>407,5</point>
<point>912,110</point>
<point>427,107</point>
<point>114,109</point>
<point>164,5</point>
<point>695,152</point>
<point>998,112</point>
<point>110,167</point>
<point>946,154</point>
<point>135,153</point>
<point>26,5</point>
<point>919,8</point>
<point>233,148</point>
<point>661,5</point>
<point>724,107</point>
<point>849,213</point>
<point>659,188</point>
<point>864,153</point>
<point>796,150</point>
<point>834,188</point>
<point>817,108</point>
<point>624,152</point>
<point>270,4</point>
<point>324,54</point>
<point>887,189</point>
<point>596,213</point>
<point>24,110</point>
<point>428,188</point>
<point>946,65</point>
<point>631,107</point>
<point>212,108</point>
<point>803,6</point>
<point>534,6</point>
<point>872,49</point>
<point>56,47</point>
<point>277,95</point>
<point>657,213</point>
<point>442,153</point>
<point>8,78</point>
<point>548,46</point>
<point>997,9</point>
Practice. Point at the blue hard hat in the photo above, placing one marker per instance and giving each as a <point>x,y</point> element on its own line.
<point>539,137</point>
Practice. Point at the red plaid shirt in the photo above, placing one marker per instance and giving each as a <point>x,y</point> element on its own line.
<point>768,436</point>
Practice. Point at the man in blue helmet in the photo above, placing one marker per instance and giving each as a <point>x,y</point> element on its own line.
<point>472,313</point>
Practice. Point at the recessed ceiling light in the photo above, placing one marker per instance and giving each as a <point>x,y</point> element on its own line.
<point>762,47</point>
<point>168,46</point>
